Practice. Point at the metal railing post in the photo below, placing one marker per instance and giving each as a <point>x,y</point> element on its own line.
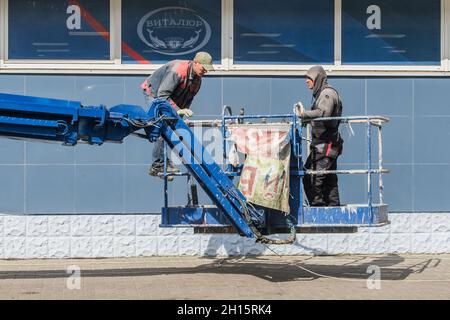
<point>369,165</point>
<point>380,164</point>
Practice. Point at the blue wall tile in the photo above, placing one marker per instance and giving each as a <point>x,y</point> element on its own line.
<point>107,153</point>
<point>12,151</point>
<point>431,140</point>
<point>251,93</point>
<point>390,97</point>
<point>100,90</point>
<point>143,193</point>
<point>133,92</point>
<point>397,137</point>
<point>208,101</point>
<point>352,93</point>
<point>177,191</point>
<point>203,198</point>
<point>398,187</point>
<point>431,188</point>
<point>431,96</point>
<point>12,189</point>
<point>50,189</point>
<point>56,87</point>
<point>352,187</point>
<point>104,183</point>
<point>355,150</point>
<point>12,84</point>
<point>138,151</point>
<point>285,92</point>
<point>49,153</point>
<point>99,189</point>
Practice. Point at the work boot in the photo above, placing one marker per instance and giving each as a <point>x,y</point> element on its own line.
<point>158,167</point>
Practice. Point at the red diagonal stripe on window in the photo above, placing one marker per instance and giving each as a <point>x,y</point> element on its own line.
<point>105,34</point>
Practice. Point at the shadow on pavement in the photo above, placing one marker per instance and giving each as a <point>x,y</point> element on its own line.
<point>280,270</point>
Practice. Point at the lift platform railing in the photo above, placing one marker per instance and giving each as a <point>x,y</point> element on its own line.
<point>350,215</point>
<point>370,122</point>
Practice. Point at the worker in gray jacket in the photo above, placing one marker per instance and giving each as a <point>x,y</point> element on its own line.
<point>177,81</point>
<point>326,144</point>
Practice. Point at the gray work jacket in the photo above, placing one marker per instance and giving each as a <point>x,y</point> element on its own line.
<point>176,82</point>
<point>327,104</point>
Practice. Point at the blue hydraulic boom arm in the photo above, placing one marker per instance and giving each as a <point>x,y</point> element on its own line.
<point>69,122</point>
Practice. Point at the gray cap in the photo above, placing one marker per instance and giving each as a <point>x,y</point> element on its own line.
<point>205,59</point>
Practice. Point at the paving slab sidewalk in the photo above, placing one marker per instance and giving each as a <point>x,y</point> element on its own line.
<point>231,278</point>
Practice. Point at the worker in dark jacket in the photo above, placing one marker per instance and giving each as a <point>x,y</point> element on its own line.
<point>326,144</point>
<point>178,81</point>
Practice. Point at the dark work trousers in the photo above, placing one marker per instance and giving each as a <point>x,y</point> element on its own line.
<point>158,146</point>
<point>158,150</point>
<point>321,189</point>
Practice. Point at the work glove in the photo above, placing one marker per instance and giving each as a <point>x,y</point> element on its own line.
<point>233,156</point>
<point>185,112</point>
<point>298,109</point>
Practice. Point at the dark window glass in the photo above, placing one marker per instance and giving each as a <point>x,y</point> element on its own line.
<point>283,32</point>
<point>161,30</point>
<point>55,29</point>
<point>391,32</point>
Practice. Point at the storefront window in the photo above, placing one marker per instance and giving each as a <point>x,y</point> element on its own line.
<point>55,29</point>
<point>405,32</point>
<point>162,30</point>
<point>283,32</point>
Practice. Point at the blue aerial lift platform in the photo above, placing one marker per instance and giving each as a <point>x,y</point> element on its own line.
<point>69,122</point>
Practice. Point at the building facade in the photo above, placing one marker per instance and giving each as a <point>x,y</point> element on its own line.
<point>387,58</point>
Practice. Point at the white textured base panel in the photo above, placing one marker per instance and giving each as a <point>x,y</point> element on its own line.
<point>96,236</point>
